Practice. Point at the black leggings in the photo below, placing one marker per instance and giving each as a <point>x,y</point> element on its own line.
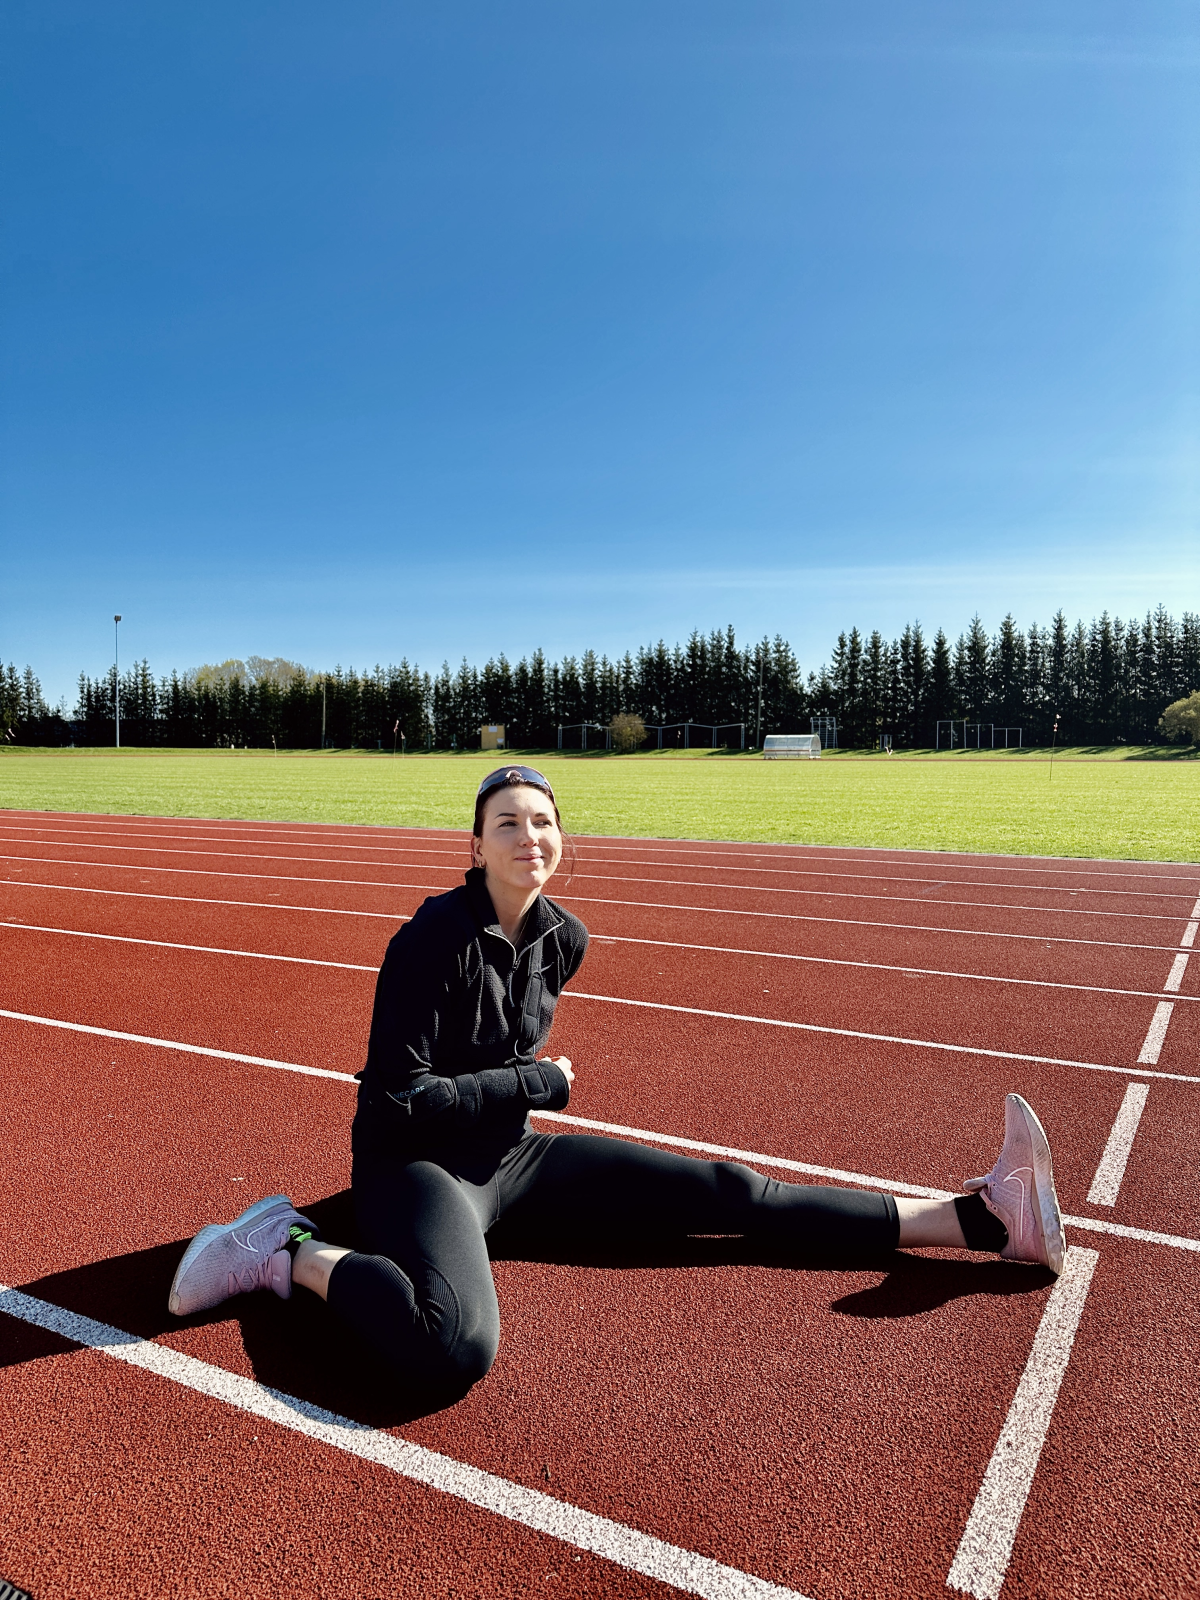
<point>421,1292</point>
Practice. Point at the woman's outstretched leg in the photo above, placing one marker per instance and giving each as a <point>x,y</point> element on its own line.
<point>580,1184</point>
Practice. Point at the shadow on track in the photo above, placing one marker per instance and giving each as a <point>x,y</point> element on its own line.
<point>915,1284</point>
<point>304,1353</point>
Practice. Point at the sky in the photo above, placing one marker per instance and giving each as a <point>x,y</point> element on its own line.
<point>348,334</point>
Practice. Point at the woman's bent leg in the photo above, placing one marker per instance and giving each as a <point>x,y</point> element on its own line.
<point>581,1184</point>
<point>421,1290</point>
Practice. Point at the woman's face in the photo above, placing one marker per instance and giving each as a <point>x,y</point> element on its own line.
<point>521,843</point>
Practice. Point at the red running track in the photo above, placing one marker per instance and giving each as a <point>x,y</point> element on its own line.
<point>706,1425</point>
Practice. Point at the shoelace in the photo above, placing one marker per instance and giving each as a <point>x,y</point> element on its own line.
<point>256,1275</point>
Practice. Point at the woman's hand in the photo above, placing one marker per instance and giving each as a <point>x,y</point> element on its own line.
<point>563,1065</point>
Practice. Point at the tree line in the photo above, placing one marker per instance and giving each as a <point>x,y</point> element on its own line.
<point>1106,682</point>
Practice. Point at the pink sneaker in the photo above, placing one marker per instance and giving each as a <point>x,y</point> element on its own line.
<point>228,1258</point>
<point>1020,1189</point>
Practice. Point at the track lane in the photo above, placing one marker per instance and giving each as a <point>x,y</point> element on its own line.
<point>319,1017</point>
<point>635,849</point>
<point>1032,959</point>
<point>977,916</point>
<point>616,1360</point>
<point>828,1479</point>
<point>216,1503</point>
<point>746,876</point>
<point>745,881</point>
<point>1146,1185</point>
<point>102,982</point>
<point>746,870</point>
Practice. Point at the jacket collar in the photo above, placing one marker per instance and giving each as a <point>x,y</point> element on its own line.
<point>539,921</point>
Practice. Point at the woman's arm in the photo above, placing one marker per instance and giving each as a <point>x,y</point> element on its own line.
<point>414,999</point>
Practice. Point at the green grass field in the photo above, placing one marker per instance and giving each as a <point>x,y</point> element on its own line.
<point>1132,809</point>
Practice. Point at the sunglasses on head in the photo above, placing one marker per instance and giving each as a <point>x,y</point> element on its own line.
<point>502,775</point>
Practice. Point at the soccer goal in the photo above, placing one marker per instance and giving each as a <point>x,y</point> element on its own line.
<point>604,741</point>
<point>978,736</point>
<point>690,735</point>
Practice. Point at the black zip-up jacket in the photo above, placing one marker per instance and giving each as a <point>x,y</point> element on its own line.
<point>460,1017</point>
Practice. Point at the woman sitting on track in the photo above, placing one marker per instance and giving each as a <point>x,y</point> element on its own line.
<point>443,1147</point>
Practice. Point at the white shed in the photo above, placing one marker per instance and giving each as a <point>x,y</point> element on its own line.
<point>792,747</point>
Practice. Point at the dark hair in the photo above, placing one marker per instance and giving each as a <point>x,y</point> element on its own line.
<point>515,780</point>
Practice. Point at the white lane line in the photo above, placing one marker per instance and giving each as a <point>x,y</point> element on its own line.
<point>343,843</point>
<point>531,1508</point>
<point>1195,911</point>
<point>260,855</point>
<point>987,1542</point>
<point>1155,1034</point>
<point>653,905</point>
<point>1189,935</point>
<point>175,1044</point>
<point>1106,1184</point>
<point>608,877</point>
<point>776,916</point>
<point>1175,976</point>
<point>338,911</point>
<point>836,1174</point>
<point>751,850</point>
<point>782,916</point>
<point>281,877</point>
<point>881,966</point>
<point>730,1016</point>
<point>879,1038</point>
<point>770,955</point>
<point>197,949</point>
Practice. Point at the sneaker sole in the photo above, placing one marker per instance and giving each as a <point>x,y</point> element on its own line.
<point>1047,1211</point>
<point>213,1231</point>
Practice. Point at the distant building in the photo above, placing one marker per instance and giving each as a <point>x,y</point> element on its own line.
<point>491,736</point>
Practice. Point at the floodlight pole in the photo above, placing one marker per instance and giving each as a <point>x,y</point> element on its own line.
<point>323,681</point>
<point>758,741</point>
<point>117,674</point>
<point>1053,742</point>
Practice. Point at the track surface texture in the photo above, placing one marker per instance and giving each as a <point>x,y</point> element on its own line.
<point>709,1424</point>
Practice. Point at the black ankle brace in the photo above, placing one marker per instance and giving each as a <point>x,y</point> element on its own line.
<point>982,1229</point>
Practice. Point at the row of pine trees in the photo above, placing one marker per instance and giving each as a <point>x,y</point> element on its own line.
<point>1107,682</point>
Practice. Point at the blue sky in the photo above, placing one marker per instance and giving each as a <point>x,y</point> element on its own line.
<point>347,333</point>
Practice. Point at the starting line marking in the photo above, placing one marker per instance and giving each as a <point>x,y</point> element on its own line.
<point>1175,976</point>
<point>1155,1034</point>
<point>1107,1183</point>
<point>862,1180</point>
<point>986,1547</point>
<point>584,1530</point>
